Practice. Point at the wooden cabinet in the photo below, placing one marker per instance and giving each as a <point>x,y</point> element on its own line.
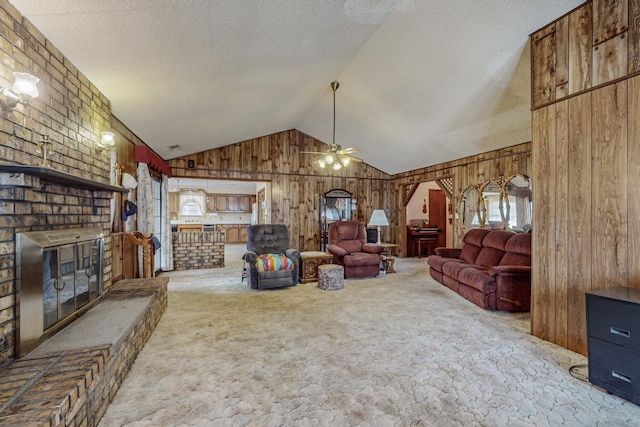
<point>613,337</point>
<point>211,203</point>
<point>244,203</point>
<point>222,204</point>
<point>230,202</point>
<point>173,204</point>
<point>310,263</point>
<point>234,233</point>
<point>594,44</point>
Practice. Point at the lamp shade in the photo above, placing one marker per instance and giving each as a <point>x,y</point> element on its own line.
<point>25,84</point>
<point>108,139</point>
<point>378,218</point>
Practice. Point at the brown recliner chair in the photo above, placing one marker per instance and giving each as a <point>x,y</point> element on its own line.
<point>348,244</point>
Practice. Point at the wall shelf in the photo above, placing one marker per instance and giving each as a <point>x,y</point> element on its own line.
<point>51,175</point>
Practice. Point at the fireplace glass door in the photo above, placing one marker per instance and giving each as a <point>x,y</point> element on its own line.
<point>59,276</point>
<point>69,279</point>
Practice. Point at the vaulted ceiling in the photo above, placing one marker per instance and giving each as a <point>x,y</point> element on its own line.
<point>421,82</point>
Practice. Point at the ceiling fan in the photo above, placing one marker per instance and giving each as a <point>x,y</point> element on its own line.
<point>335,157</point>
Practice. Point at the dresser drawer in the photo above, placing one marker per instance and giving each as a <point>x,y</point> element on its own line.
<point>613,320</point>
<point>615,369</point>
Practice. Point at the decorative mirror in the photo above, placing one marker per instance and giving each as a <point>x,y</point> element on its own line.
<point>502,204</point>
<point>518,203</point>
<point>469,209</point>
<point>492,203</point>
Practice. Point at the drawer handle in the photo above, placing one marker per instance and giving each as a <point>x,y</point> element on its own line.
<point>619,332</point>
<point>620,376</point>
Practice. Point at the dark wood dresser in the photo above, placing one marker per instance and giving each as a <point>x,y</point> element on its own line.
<point>613,341</point>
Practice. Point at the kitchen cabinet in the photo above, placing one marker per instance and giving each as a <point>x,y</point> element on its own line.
<point>244,203</point>
<point>173,204</point>
<point>222,204</point>
<point>230,203</point>
<point>211,203</point>
<point>234,233</point>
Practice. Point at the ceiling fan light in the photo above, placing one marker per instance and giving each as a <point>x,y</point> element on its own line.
<point>329,159</point>
<point>337,166</point>
<point>322,164</point>
<point>345,161</point>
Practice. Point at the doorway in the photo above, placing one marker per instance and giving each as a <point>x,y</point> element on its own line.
<point>428,217</point>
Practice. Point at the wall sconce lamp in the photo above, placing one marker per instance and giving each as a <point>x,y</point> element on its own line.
<point>24,89</point>
<point>378,219</point>
<point>107,140</point>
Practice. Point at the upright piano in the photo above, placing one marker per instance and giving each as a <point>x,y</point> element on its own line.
<point>422,241</point>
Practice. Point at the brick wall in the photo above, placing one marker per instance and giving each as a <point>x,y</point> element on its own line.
<point>197,250</point>
<point>73,113</point>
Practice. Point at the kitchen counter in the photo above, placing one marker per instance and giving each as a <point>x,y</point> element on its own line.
<point>234,232</point>
<point>198,249</point>
<point>188,227</point>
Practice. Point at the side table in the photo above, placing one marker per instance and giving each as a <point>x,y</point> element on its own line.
<point>387,258</point>
<point>311,260</point>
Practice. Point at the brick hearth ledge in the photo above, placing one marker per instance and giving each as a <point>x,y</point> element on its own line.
<point>71,378</point>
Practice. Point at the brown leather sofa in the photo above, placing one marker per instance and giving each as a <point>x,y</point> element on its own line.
<point>348,244</point>
<point>492,269</point>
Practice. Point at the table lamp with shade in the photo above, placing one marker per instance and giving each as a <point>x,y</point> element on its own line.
<point>378,219</point>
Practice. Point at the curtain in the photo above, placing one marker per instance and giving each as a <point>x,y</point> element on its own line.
<point>113,181</point>
<point>145,200</point>
<point>145,207</point>
<point>167,242</point>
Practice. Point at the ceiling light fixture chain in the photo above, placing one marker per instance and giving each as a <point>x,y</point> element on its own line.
<point>337,157</point>
<point>334,85</point>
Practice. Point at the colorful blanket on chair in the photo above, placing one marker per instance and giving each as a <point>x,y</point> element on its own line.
<point>272,262</point>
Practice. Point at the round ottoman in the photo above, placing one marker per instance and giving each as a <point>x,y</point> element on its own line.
<point>330,277</point>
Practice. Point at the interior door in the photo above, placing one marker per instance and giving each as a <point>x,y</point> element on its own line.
<point>438,214</point>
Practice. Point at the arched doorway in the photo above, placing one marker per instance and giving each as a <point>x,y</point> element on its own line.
<point>427,216</point>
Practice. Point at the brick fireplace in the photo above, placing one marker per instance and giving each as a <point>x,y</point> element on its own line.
<point>59,277</point>
<point>72,194</point>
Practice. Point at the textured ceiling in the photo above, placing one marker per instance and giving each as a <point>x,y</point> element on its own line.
<point>421,82</point>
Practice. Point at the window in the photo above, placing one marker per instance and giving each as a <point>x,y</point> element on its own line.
<point>192,204</point>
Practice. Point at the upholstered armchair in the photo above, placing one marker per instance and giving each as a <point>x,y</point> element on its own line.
<point>269,261</point>
<point>348,244</point>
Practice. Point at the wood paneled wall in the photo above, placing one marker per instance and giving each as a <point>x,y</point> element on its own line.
<point>595,44</point>
<point>296,182</point>
<point>470,170</point>
<point>586,157</point>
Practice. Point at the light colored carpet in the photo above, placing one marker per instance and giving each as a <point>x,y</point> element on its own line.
<point>397,350</point>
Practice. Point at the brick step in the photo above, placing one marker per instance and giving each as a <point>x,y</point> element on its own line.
<point>61,383</point>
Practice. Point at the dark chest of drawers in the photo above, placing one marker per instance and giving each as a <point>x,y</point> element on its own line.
<point>613,341</point>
